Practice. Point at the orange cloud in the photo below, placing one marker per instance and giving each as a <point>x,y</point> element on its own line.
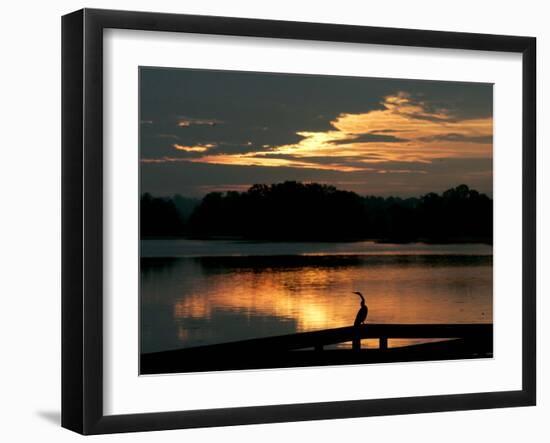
<point>404,130</point>
<point>264,159</point>
<point>196,148</point>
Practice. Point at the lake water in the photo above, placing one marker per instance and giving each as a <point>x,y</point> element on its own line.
<point>197,292</point>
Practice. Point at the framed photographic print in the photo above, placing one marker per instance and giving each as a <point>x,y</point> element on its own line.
<point>269,221</point>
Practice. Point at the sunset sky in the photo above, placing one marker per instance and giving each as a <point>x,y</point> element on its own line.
<point>203,131</point>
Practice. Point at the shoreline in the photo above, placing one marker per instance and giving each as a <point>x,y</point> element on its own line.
<point>396,241</point>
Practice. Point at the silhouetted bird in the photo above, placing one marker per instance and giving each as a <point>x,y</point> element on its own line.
<point>361,316</point>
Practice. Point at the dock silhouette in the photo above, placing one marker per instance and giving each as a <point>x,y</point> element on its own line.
<point>459,341</point>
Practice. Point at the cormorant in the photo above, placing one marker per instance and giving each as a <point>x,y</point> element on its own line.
<point>361,316</point>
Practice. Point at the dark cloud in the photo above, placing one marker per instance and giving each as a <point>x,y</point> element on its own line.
<point>371,137</point>
<point>325,159</point>
<point>385,131</point>
<point>453,137</point>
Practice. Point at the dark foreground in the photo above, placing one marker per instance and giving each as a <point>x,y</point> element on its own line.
<point>464,341</point>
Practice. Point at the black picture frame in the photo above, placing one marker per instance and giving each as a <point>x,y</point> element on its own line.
<point>82,221</point>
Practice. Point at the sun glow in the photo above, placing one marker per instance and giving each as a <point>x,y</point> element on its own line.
<point>316,298</point>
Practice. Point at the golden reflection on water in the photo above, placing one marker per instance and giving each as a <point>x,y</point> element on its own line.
<point>251,301</point>
<point>393,295</point>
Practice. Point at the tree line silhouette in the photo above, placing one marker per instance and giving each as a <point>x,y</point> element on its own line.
<point>294,211</point>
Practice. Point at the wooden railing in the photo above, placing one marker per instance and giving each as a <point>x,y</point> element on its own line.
<point>319,339</point>
<point>307,348</point>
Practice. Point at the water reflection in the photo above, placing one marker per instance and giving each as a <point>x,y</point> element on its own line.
<point>203,300</point>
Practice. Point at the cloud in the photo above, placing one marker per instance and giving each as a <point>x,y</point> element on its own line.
<point>197,148</point>
<point>405,129</point>
<point>454,137</point>
<point>256,159</point>
<point>239,148</point>
<point>186,122</point>
<point>162,160</point>
<point>371,138</point>
<point>402,129</point>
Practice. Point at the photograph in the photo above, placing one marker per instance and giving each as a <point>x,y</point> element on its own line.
<point>271,221</point>
<point>297,220</point>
